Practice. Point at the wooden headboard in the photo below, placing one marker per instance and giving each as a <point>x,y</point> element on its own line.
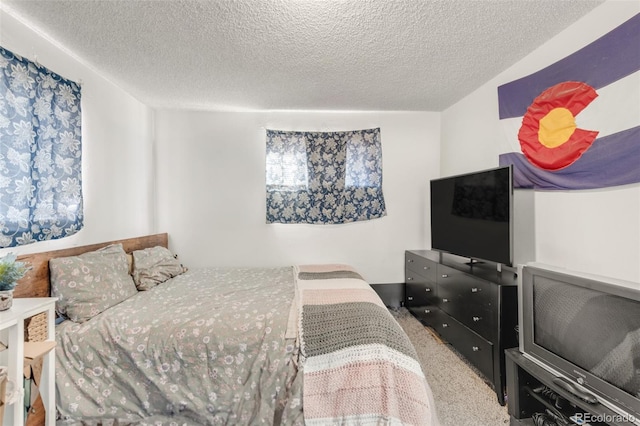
<point>36,282</point>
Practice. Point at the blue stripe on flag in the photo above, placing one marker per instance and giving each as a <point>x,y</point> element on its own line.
<point>612,57</point>
<point>612,160</point>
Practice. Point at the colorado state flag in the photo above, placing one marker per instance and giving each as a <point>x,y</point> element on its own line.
<point>577,121</point>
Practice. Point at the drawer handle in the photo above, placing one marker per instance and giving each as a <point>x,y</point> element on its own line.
<point>427,289</point>
<point>409,279</point>
<point>409,297</point>
<point>445,325</point>
<point>475,290</point>
<point>445,300</point>
<point>425,268</point>
<point>410,260</point>
<point>427,311</point>
<point>475,348</point>
<point>476,319</point>
<point>445,276</point>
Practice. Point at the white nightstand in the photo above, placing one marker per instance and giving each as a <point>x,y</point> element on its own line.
<point>12,332</point>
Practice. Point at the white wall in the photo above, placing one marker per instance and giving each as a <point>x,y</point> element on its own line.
<point>211,191</point>
<point>595,231</point>
<point>116,145</point>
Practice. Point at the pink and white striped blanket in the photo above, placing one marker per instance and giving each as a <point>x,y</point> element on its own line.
<point>359,366</point>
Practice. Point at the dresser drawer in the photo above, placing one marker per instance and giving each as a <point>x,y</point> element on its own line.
<point>478,318</point>
<point>429,315</point>
<point>469,289</point>
<point>472,346</point>
<point>420,265</point>
<point>419,291</point>
<point>483,322</point>
<point>420,294</point>
<point>449,300</point>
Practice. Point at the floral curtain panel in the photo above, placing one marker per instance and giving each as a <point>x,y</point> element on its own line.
<point>40,153</point>
<point>324,177</point>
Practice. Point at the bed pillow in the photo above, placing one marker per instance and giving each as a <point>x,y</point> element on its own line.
<point>153,266</point>
<point>90,283</point>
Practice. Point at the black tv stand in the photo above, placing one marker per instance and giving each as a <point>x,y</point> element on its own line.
<point>525,378</point>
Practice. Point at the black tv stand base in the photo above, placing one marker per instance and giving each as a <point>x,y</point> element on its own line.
<point>532,389</point>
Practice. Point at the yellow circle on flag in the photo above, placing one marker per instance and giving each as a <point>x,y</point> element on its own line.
<point>556,127</point>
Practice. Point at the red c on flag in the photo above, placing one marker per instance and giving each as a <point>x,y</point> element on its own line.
<point>548,136</point>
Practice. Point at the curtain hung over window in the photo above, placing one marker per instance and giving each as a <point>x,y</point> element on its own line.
<point>40,153</point>
<point>324,177</point>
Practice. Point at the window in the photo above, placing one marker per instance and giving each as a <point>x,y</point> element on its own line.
<point>40,153</point>
<point>324,177</point>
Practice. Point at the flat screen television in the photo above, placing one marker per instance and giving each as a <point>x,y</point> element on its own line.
<point>471,215</point>
<point>585,330</point>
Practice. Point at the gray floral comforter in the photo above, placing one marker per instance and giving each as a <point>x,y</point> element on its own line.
<point>206,347</point>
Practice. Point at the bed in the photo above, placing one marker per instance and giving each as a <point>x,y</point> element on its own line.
<point>303,344</point>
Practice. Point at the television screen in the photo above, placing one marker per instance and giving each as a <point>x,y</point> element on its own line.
<point>597,331</point>
<point>471,215</point>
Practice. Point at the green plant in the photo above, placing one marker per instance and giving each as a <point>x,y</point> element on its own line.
<point>11,271</point>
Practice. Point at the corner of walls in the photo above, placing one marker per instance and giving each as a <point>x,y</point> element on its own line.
<point>152,174</point>
<point>471,134</point>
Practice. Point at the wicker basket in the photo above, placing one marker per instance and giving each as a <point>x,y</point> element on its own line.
<point>35,328</point>
<point>6,299</point>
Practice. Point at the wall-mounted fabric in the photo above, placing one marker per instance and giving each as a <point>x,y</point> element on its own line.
<point>324,177</point>
<point>40,153</point>
<point>577,121</point>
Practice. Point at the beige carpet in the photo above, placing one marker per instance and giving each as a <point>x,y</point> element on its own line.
<point>462,396</point>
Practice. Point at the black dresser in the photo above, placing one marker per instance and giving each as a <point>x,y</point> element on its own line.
<point>472,307</point>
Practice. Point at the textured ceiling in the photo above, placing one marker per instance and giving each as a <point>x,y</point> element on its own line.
<point>394,55</point>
